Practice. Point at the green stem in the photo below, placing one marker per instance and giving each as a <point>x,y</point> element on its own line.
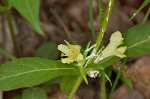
<point>146,16</point>
<point>117,78</point>
<point>91,18</point>
<point>76,86</point>
<point>104,23</point>
<point>103,86</point>
<point>100,6</point>
<point>12,32</point>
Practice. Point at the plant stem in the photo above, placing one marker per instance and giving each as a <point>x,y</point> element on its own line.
<point>146,16</point>
<point>12,32</point>
<point>4,33</point>
<point>100,6</point>
<point>117,78</point>
<point>103,87</point>
<point>76,86</point>
<point>104,23</point>
<point>91,18</point>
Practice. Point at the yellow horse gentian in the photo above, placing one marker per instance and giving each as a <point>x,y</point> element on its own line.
<point>70,53</point>
<point>113,48</point>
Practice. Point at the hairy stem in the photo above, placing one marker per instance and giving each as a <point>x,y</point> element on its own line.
<point>104,23</point>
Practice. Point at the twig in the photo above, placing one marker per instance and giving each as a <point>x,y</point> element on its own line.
<point>53,11</point>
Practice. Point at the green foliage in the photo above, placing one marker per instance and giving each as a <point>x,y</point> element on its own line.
<point>108,71</point>
<point>2,8</point>
<point>146,16</point>
<point>83,74</point>
<point>104,64</point>
<point>17,97</point>
<point>29,9</point>
<point>146,2</point>
<point>68,83</point>
<point>127,81</point>
<point>54,81</point>
<point>91,18</point>
<point>137,40</point>
<point>47,50</point>
<point>27,72</point>
<point>34,93</point>
<point>6,54</point>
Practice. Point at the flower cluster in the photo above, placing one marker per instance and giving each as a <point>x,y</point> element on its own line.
<point>71,53</point>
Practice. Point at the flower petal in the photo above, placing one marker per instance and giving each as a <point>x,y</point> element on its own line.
<point>65,49</point>
<point>66,60</point>
<point>115,40</point>
<point>79,57</point>
<point>71,51</point>
<point>75,48</point>
<point>120,51</point>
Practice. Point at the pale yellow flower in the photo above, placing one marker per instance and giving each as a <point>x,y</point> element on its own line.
<point>70,53</point>
<point>112,48</point>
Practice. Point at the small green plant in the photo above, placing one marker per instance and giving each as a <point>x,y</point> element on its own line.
<point>75,65</point>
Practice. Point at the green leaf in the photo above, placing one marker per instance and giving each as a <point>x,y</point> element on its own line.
<point>83,74</point>
<point>109,61</point>
<point>146,16</point>
<point>53,81</point>
<point>140,8</point>
<point>137,40</point>
<point>91,18</point>
<point>17,97</point>
<point>27,72</point>
<point>6,54</point>
<point>47,50</point>
<point>127,81</point>
<point>68,83</point>
<point>107,77</point>
<point>104,63</point>
<point>2,8</point>
<point>34,93</point>
<point>108,71</point>
<point>29,9</point>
